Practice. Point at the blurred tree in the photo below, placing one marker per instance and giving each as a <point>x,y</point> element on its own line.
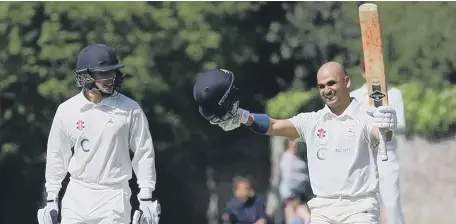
<point>430,112</point>
<point>313,33</point>
<point>163,44</point>
<point>271,46</point>
<point>422,54</point>
<point>317,32</point>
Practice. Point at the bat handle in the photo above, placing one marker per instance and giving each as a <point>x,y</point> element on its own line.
<point>382,150</point>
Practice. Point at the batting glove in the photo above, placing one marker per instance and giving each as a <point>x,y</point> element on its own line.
<point>48,214</point>
<point>384,117</point>
<point>148,212</point>
<point>241,117</point>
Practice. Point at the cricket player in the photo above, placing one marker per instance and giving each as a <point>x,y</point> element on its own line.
<point>341,139</point>
<point>91,136</point>
<point>388,170</point>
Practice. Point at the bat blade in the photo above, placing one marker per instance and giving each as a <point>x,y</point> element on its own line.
<point>374,65</point>
<point>373,54</point>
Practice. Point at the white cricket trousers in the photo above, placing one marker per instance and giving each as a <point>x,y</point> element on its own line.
<point>353,210</point>
<point>85,203</point>
<point>388,172</point>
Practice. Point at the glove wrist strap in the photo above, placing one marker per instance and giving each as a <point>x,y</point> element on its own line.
<point>145,193</point>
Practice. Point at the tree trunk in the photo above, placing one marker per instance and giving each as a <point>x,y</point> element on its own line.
<point>273,206</point>
<point>212,213</point>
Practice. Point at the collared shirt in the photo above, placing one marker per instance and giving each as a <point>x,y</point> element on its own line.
<point>101,136</point>
<point>340,154</point>
<point>246,212</point>
<point>395,101</point>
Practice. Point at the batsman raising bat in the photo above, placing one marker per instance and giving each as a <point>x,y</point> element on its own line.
<point>376,93</point>
<point>342,139</point>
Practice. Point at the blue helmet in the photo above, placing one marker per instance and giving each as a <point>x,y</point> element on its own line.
<point>97,58</point>
<point>216,94</point>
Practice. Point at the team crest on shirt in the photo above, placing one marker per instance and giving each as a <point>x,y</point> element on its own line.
<point>321,136</point>
<point>350,132</point>
<point>321,133</point>
<point>110,122</point>
<point>80,125</point>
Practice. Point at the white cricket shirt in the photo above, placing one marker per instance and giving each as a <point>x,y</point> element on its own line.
<point>102,135</point>
<point>341,161</point>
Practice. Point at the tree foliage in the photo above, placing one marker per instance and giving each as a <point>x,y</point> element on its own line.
<point>429,111</point>
<point>419,57</point>
<point>163,44</point>
<point>275,48</point>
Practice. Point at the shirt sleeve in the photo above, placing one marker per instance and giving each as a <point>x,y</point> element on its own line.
<point>397,102</point>
<point>144,156</point>
<point>261,208</point>
<point>58,156</point>
<point>302,123</point>
<point>228,216</point>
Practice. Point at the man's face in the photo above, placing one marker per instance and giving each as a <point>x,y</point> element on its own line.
<point>242,191</point>
<point>104,81</point>
<point>333,87</point>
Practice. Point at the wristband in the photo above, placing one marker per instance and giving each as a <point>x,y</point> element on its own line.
<point>260,124</point>
<point>145,193</point>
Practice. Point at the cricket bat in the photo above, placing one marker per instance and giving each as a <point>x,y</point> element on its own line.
<point>373,61</point>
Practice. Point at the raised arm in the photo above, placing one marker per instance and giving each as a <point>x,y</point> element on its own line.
<point>292,128</point>
<point>273,127</point>
<point>381,119</point>
<point>216,94</point>
<point>57,157</point>
<point>397,102</point>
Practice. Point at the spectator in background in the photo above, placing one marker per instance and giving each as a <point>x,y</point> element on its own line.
<point>294,186</point>
<point>296,210</point>
<point>245,207</point>
<point>388,171</point>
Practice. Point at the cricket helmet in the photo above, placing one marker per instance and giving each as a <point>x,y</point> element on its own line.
<point>216,94</point>
<point>97,58</point>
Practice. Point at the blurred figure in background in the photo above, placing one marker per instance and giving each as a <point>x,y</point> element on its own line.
<point>296,210</point>
<point>245,207</point>
<point>294,186</point>
<point>388,170</point>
